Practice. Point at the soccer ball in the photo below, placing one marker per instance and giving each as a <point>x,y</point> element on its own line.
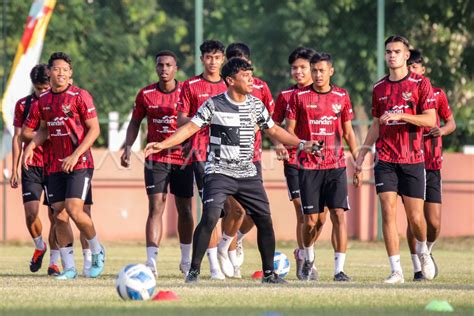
<point>135,282</point>
<point>281,264</point>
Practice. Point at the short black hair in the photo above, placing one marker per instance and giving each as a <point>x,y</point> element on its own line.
<point>59,56</point>
<point>301,52</point>
<point>233,66</point>
<point>398,38</point>
<point>38,74</point>
<point>211,46</point>
<point>415,57</point>
<point>237,50</point>
<point>166,53</point>
<point>321,57</point>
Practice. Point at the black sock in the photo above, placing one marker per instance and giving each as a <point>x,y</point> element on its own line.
<point>266,242</point>
<point>202,235</point>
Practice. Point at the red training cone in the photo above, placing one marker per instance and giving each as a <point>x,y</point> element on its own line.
<point>166,296</point>
<point>257,275</point>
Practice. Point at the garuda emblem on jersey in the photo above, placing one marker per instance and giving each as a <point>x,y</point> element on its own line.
<point>336,107</point>
<point>67,110</point>
<point>406,96</point>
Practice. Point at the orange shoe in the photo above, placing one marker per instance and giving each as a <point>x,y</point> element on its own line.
<point>53,270</point>
<point>37,260</point>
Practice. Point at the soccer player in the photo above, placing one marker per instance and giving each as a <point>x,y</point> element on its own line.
<point>230,253</point>
<point>69,118</point>
<point>157,102</point>
<point>32,181</point>
<point>299,60</point>
<point>233,118</point>
<point>433,161</point>
<point>194,92</point>
<point>323,112</point>
<point>402,105</point>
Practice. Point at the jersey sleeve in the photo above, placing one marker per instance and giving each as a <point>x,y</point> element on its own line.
<point>292,109</point>
<point>18,116</point>
<point>139,111</point>
<point>268,98</point>
<point>33,118</point>
<point>347,113</point>
<point>444,111</point>
<point>280,109</point>
<point>85,106</point>
<point>375,106</point>
<point>426,100</point>
<point>264,120</point>
<point>184,101</point>
<point>204,114</point>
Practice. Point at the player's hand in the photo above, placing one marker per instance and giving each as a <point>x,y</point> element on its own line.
<point>357,177</point>
<point>436,131</point>
<point>125,158</point>
<point>27,156</point>
<point>153,148</point>
<point>314,147</point>
<point>390,117</point>
<point>282,152</point>
<point>186,148</point>
<point>14,180</point>
<point>69,163</point>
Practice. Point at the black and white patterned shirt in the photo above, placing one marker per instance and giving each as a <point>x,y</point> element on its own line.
<point>232,133</point>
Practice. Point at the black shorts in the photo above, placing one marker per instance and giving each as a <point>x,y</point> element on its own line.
<point>88,200</point>
<point>320,188</point>
<point>32,184</point>
<point>258,165</point>
<point>433,186</point>
<point>158,175</point>
<point>198,168</point>
<point>249,192</point>
<point>292,182</point>
<point>62,186</point>
<point>405,179</point>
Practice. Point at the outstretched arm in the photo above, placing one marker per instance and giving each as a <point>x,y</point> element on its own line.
<point>181,134</point>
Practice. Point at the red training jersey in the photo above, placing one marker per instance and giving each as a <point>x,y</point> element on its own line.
<point>434,145</point>
<point>398,141</point>
<point>261,92</point>
<point>320,116</point>
<point>281,106</point>
<point>194,92</point>
<point>65,114</point>
<point>159,107</point>
<point>18,121</point>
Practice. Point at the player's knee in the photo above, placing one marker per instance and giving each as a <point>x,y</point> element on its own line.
<point>61,218</point>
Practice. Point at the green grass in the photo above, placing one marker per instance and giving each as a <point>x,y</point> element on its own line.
<point>24,293</point>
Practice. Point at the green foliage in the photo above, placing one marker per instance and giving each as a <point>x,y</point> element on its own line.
<point>113,43</point>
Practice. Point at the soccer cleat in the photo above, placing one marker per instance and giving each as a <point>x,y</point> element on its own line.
<point>239,252</point>
<point>184,267</point>
<point>395,277</point>
<point>299,264</point>
<point>225,264</point>
<point>314,275</point>
<point>98,261</point>
<point>435,266</point>
<point>192,276</point>
<point>307,270</point>
<point>37,259</point>
<point>53,270</point>
<point>418,276</point>
<point>237,274</point>
<point>216,274</point>
<point>151,264</point>
<point>342,277</point>
<point>68,274</point>
<point>427,266</point>
<point>273,279</point>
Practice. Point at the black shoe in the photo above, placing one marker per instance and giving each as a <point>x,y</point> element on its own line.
<point>435,265</point>
<point>273,279</point>
<point>37,259</point>
<point>306,270</point>
<point>192,277</point>
<point>342,277</point>
<point>418,276</point>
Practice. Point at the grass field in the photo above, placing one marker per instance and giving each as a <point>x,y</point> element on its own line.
<point>24,293</point>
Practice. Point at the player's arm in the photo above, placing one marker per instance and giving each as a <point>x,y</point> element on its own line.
<point>27,133</point>
<point>350,138</point>
<point>426,119</point>
<point>181,134</point>
<point>372,135</point>
<point>40,137</point>
<point>132,133</point>
<point>183,118</point>
<point>93,131</point>
<point>448,127</point>
<point>16,154</point>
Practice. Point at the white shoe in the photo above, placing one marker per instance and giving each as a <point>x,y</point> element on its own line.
<point>427,266</point>
<point>239,251</point>
<point>396,277</point>
<point>151,264</point>
<point>226,265</point>
<point>184,267</point>
<point>237,274</point>
<point>216,274</point>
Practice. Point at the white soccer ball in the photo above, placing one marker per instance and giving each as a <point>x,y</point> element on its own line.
<point>135,282</point>
<point>281,264</point>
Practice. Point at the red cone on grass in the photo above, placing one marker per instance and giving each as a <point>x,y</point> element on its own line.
<point>166,296</point>
<point>257,275</point>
